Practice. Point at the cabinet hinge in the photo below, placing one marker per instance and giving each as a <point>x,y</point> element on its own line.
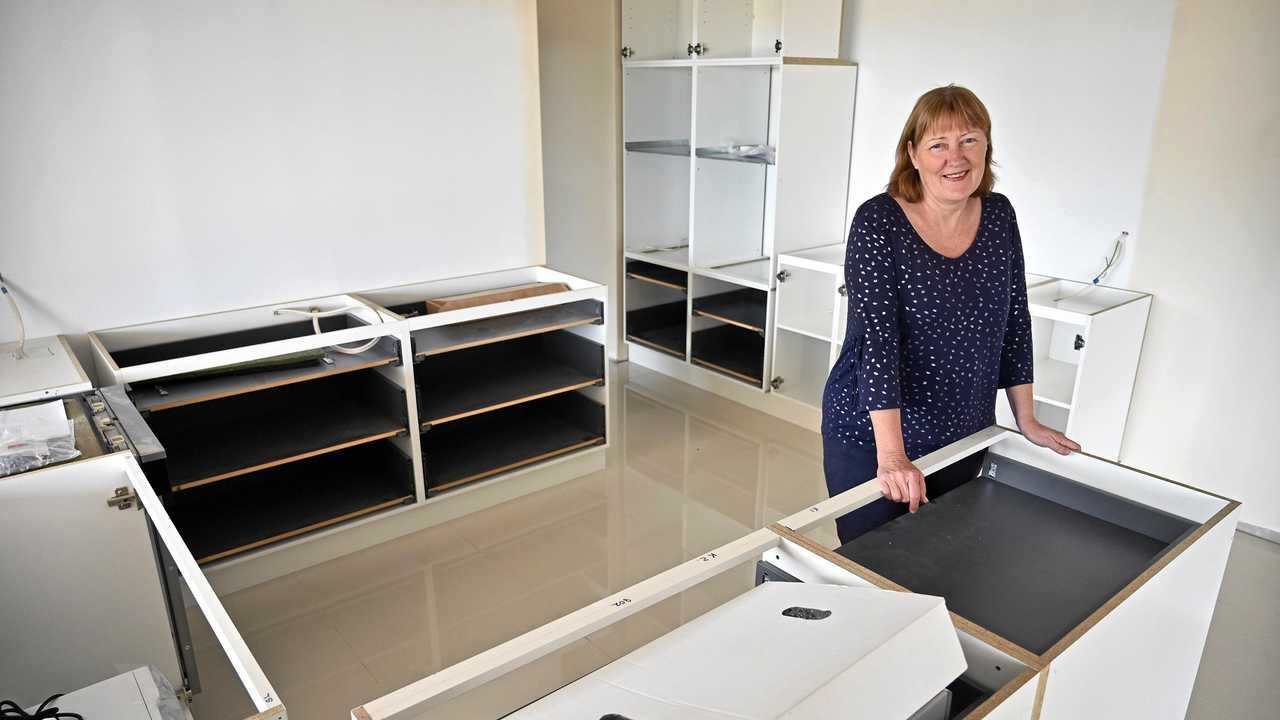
<point>123,499</point>
<point>777,46</point>
<point>776,382</point>
<point>1079,344</point>
<point>627,52</point>
<point>783,275</point>
<point>842,290</point>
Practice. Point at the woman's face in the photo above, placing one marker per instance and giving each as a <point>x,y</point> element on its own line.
<point>950,162</point>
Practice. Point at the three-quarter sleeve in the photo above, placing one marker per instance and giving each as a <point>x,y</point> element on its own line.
<point>871,283</point>
<point>1016,363</point>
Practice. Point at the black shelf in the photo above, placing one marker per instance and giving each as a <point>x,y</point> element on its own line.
<point>1017,563</point>
<point>731,351</point>
<point>162,394</point>
<point>661,327</point>
<point>230,340</point>
<point>460,452</point>
<point>226,519</point>
<point>658,275</point>
<point>744,308</point>
<point>447,338</point>
<point>216,440</point>
<point>487,378</point>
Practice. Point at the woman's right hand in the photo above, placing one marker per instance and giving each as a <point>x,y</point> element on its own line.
<point>900,480</point>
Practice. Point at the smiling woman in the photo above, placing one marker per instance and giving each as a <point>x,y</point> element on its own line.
<point>938,317</point>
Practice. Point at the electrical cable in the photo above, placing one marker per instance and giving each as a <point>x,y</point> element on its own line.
<point>22,328</point>
<point>1109,262</point>
<point>315,316</point>
<point>9,710</point>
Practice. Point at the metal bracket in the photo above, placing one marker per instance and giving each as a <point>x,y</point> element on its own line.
<point>842,290</point>
<point>123,499</point>
<point>627,52</point>
<point>777,46</point>
<point>690,50</point>
<point>776,382</point>
<point>1079,343</point>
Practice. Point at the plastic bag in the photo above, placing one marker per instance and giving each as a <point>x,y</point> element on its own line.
<point>35,436</point>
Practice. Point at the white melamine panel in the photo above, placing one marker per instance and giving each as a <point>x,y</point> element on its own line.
<point>657,29</point>
<point>657,201</point>
<point>1018,706</point>
<point>739,28</point>
<point>83,597</point>
<point>659,103</point>
<point>816,132</point>
<point>807,301</point>
<point>1079,297</point>
<point>800,366</point>
<point>1159,666</point>
<point>733,106</point>
<point>46,369</point>
<point>811,28</point>
<point>1101,404</point>
<point>728,212</point>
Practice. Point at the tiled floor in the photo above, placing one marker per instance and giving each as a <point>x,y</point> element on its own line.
<point>687,471</point>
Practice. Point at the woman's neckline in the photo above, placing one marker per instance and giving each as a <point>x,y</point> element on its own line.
<point>977,233</point>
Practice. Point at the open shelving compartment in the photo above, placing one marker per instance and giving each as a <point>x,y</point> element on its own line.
<point>657,307</point>
<point>503,385</point>
<point>270,430</point>
<point>656,128</point>
<point>1086,340</point>
<point>728,329</point>
<point>734,173</point>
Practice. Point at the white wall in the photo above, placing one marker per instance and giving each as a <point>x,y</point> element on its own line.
<point>1209,384</point>
<point>1072,88</point>
<point>160,158</point>
<point>579,42</point>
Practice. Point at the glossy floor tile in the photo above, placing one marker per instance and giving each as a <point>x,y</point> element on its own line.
<point>687,471</point>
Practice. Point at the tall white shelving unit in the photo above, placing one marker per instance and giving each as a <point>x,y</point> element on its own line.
<point>738,121</point>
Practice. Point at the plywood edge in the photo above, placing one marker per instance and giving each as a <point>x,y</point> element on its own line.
<point>304,530</point>
<point>1041,684</point>
<point>1134,585</point>
<point>276,712</point>
<point>291,459</point>
<point>518,464</point>
<point>321,374</point>
<point>1004,645</point>
<point>788,60</point>
<point>655,346</point>
<point>837,559</point>
<point>731,373</point>
<point>361,714</point>
<point>526,333</point>
<point>727,321</point>
<point>516,401</point>
<point>997,699</point>
<point>655,281</point>
<point>96,342</point>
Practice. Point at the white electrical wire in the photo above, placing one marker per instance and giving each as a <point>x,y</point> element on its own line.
<point>315,316</point>
<point>17,314</point>
<point>1109,262</point>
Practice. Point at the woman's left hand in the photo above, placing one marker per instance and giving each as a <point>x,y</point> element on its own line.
<point>1048,437</point>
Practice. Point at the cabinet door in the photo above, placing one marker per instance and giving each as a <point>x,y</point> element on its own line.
<point>802,343</point>
<point>739,28</point>
<point>811,28</point>
<point>656,29</point>
<point>83,595</point>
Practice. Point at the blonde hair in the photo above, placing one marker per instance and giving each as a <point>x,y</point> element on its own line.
<point>942,107</point>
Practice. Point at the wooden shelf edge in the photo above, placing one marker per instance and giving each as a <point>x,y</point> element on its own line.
<point>756,382</point>
<point>513,336</point>
<point>655,281</point>
<point>322,373</point>
<point>304,530</point>
<point>510,403</point>
<point>192,484</point>
<point>655,346</point>
<point>521,463</point>
<point>727,321</point>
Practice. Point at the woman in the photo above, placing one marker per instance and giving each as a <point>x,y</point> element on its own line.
<point>938,314</point>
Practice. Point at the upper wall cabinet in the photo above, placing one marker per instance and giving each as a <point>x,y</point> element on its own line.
<point>719,29</point>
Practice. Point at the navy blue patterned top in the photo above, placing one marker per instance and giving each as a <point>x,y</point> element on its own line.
<point>932,335</point>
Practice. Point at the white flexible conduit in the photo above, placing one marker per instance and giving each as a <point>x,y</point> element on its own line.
<point>315,316</point>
